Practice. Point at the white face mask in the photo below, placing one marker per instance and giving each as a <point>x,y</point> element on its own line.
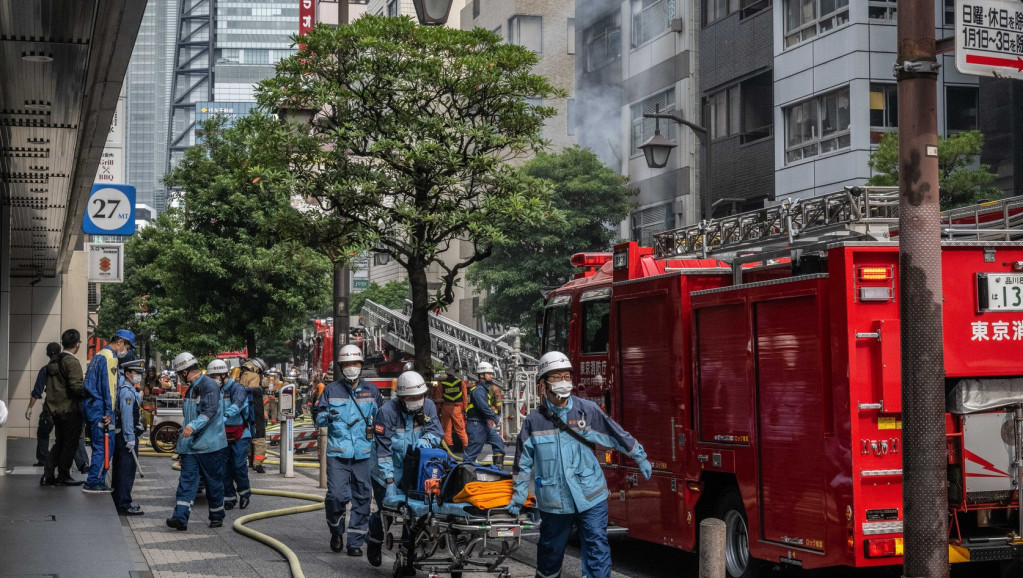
<point>414,406</point>
<point>351,373</point>
<point>136,379</point>
<point>121,354</point>
<point>561,389</point>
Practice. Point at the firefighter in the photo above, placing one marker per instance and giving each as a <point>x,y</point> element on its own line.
<point>347,409</point>
<point>272,383</point>
<point>406,422</point>
<point>481,421</point>
<point>202,444</point>
<point>570,486</point>
<point>452,409</point>
<point>252,370</point>
<point>235,402</point>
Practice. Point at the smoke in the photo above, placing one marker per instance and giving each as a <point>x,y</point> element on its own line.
<point>598,66</point>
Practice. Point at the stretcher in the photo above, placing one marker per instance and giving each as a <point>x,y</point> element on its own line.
<point>451,538</point>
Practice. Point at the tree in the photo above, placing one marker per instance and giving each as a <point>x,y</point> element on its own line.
<point>391,295</point>
<point>959,183</point>
<point>217,272</point>
<point>593,200</point>
<point>407,150</point>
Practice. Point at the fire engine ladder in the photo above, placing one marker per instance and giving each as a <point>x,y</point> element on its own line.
<point>460,349</point>
<point>855,213</point>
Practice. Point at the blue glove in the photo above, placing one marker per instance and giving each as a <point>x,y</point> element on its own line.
<point>645,468</point>
<point>423,443</point>
<point>513,509</point>
<point>333,415</point>
<point>392,491</point>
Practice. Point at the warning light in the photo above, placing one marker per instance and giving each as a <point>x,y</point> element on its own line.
<point>590,259</point>
<point>875,273</point>
<point>884,547</point>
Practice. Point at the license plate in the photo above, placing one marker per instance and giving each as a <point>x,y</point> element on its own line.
<point>1000,291</point>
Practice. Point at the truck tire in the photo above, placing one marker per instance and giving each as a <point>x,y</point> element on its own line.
<point>164,437</point>
<point>738,562</point>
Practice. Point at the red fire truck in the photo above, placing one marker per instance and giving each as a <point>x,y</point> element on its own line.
<point>757,359</point>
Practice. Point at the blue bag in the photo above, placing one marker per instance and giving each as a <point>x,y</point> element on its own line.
<point>421,465</point>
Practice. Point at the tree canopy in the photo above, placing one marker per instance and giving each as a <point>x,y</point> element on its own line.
<point>217,273</point>
<point>408,147</point>
<point>593,200</point>
<point>960,182</point>
<point>391,295</point>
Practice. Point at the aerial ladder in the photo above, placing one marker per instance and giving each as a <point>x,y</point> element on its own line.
<point>795,228</point>
<point>460,349</point>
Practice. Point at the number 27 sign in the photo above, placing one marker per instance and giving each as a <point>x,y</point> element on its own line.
<point>111,211</point>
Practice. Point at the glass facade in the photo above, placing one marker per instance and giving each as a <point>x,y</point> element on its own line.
<point>252,35</point>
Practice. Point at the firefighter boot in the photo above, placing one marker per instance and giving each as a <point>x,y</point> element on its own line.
<point>499,461</point>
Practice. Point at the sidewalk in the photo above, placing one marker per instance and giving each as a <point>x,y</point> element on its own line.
<point>60,531</point>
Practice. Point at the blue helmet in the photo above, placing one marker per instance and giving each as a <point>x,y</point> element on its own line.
<point>126,335</point>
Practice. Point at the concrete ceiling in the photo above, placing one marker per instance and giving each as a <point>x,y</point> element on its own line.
<point>62,64</point>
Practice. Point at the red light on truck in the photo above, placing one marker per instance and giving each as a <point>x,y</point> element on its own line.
<point>875,273</point>
<point>883,547</point>
<point>590,259</point>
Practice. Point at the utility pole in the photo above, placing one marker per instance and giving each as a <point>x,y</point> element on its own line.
<point>924,494</point>
<point>341,272</point>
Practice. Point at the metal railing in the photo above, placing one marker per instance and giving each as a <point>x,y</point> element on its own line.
<point>995,221</point>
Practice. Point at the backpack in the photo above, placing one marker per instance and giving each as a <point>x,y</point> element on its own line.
<point>421,465</point>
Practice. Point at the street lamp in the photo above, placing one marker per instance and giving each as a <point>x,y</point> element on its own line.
<point>432,12</point>
<point>657,149</point>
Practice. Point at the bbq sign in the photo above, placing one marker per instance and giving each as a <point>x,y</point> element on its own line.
<point>989,38</point>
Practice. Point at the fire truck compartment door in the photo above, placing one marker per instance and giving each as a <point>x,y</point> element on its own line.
<point>792,463</point>
<point>989,448</point>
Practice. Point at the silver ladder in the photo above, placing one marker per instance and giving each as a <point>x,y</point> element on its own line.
<point>460,349</point>
<point>855,213</point>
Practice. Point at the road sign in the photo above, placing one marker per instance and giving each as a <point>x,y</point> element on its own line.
<point>360,284</point>
<point>989,38</point>
<point>111,211</point>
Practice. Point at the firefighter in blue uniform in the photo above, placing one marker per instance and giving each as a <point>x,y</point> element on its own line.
<point>128,426</point>
<point>480,420</point>
<point>202,445</point>
<point>347,409</point>
<point>570,486</point>
<point>407,422</point>
<point>235,403</point>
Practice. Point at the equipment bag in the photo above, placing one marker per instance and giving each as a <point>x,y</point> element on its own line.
<point>421,465</point>
<point>463,474</point>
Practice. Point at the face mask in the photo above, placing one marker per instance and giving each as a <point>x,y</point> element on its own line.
<point>136,379</point>
<point>561,389</point>
<point>351,373</point>
<point>122,354</point>
<point>414,406</point>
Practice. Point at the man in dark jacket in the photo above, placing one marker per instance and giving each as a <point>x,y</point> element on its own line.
<point>64,392</point>
<point>45,421</point>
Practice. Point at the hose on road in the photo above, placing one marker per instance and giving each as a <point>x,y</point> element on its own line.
<point>288,553</point>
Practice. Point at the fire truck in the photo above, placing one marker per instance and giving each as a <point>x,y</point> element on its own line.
<point>757,359</point>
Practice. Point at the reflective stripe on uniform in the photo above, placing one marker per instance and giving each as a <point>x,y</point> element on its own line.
<point>220,509</point>
<point>185,504</point>
<point>555,575</point>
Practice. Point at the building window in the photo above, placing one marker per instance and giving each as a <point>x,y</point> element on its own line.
<point>817,126</point>
<point>650,19</point>
<point>646,222</point>
<point>718,9</point>
<point>475,8</point>
<point>804,19</point>
<point>571,35</point>
<point>392,7</point>
<point>950,12</point>
<point>725,113</point>
<point>643,128</point>
<point>961,104</point>
<point>570,115</point>
<point>882,10</point>
<point>602,42</point>
<point>884,106</point>
<point>526,31</point>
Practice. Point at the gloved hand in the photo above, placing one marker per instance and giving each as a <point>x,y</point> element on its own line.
<point>333,415</point>
<point>423,443</point>
<point>645,468</point>
<point>513,509</point>
<point>28,414</point>
<point>392,490</point>
<point>130,445</point>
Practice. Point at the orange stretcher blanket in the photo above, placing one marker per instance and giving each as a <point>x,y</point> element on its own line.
<point>486,495</point>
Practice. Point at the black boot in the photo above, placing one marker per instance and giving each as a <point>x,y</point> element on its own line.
<point>337,542</point>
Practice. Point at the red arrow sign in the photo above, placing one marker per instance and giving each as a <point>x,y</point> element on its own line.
<point>993,61</point>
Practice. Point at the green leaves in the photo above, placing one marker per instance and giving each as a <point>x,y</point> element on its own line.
<point>961,181</point>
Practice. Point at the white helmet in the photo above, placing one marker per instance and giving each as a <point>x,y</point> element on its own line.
<point>484,367</point>
<point>410,383</point>
<point>293,374</point>
<point>553,361</point>
<point>349,353</point>
<point>183,361</point>
<point>216,366</point>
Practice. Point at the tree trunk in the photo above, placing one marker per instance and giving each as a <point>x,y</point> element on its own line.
<point>419,319</point>
<point>250,342</point>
